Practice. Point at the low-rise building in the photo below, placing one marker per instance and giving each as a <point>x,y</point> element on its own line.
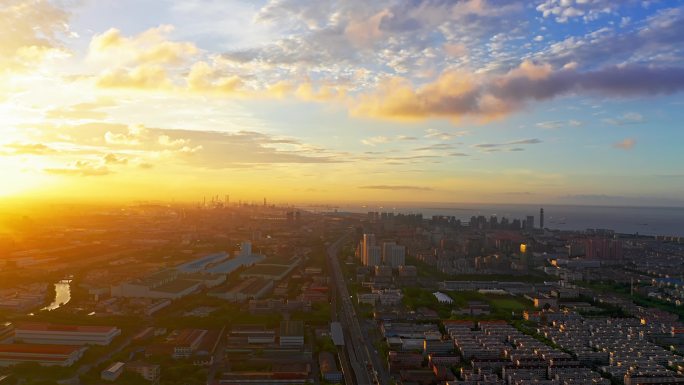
<point>251,288</point>
<point>44,333</point>
<point>148,371</point>
<point>113,372</point>
<point>186,341</point>
<point>329,371</point>
<point>6,333</point>
<point>44,355</point>
<point>291,333</point>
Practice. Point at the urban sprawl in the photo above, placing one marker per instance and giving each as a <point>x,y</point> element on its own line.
<point>236,294</point>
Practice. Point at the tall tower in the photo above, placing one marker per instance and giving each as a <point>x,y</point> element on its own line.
<point>368,243</point>
<point>541,218</point>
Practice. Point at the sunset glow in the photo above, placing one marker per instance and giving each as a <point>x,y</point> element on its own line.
<point>474,100</point>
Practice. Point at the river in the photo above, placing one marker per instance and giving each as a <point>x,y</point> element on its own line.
<point>62,295</point>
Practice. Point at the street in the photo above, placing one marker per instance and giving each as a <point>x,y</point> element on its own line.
<point>364,364</point>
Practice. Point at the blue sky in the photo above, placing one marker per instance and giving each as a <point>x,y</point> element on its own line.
<point>559,101</point>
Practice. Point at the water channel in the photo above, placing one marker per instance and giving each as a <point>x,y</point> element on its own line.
<point>62,295</point>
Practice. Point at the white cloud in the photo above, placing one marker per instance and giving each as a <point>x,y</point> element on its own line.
<point>626,118</point>
<point>375,140</point>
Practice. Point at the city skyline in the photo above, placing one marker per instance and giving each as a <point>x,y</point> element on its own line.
<point>553,101</point>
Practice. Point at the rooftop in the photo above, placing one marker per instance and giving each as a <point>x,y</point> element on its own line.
<point>176,286</point>
<point>38,349</point>
<point>115,367</point>
<point>291,328</point>
<point>64,328</point>
<point>268,269</point>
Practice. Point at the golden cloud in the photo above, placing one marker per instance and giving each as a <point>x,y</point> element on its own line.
<point>141,61</point>
<point>151,46</point>
<point>148,76</point>
<point>30,32</point>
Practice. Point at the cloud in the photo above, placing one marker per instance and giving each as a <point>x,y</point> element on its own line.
<point>91,110</point>
<point>456,94</point>
<point>149,47</point>
<point>133,137</point>
<point>204,149</point>
<point>31,30</point>
<point>141,61</point>
<point>148,76</point>
<point>525,141</point>
<point>315,55</point>
<point>166,141</point>
<point>647,44</point>
<point>436,134</point>
<point>436,146</point>
<point>213,149</point>
<point>363,33</point>
<point>205,78</point>
<point>555,124</point>
<point>27,149</point>
<point>627,118</point>
<point>507,144</point>
<point>114,159</point>
<point>80,168</point>
<point>456,49</point>
<point>564,10</point>
<point>550,125</point>
<point>375,140</point>
<point>625,144</point>
<point>396,187</point>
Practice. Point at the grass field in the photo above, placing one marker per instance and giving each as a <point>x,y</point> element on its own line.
<point>509,304</point>
<point>502,305</point>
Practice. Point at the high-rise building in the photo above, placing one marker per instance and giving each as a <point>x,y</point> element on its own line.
<point>529,223</point>
<point>393,255</point>
<point>374,256</point>
<point>541,218</point>
<point>368,242</point>
<point>603,248</point>
<point>493,222</point>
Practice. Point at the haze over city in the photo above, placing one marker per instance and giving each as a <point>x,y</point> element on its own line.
<point>443,101</point>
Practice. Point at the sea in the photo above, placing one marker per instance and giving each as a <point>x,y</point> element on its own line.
<point>667,221</point>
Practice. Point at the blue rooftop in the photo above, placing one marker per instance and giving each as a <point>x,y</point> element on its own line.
<point>233,264</point>
<point>201,263</point>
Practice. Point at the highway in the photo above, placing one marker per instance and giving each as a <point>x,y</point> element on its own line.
<point>361,360</point>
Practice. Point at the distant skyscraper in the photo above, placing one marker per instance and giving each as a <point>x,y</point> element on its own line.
<point>493,222</point>
<point>541,218</point>
<point>529,222</point>
<point>603,248</point>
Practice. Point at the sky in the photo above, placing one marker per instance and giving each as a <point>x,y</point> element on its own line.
<point>506,101</point>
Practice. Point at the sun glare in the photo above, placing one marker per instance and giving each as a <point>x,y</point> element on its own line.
<point>17,178</point>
